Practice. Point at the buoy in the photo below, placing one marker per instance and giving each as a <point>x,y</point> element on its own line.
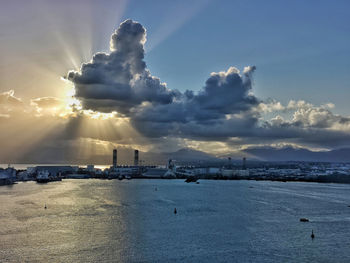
<point>312,234</point>
<point>45,206</point>
<point>175,212</point>
<point>155,189</point>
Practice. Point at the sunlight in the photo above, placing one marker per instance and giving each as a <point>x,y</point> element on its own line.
<point>174,20</point>
<point>100,115</point>
<point>71,103</point>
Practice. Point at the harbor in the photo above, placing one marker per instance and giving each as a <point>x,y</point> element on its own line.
<point>223,170</point>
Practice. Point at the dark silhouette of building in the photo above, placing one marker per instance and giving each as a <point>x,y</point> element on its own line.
<point>136,158</point>
<point>114,158</point>
<point>244,165</point>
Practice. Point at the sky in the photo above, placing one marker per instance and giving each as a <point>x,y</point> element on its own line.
<point>79,78</point>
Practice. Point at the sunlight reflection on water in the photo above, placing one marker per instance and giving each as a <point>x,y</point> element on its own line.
<point>128,221</point>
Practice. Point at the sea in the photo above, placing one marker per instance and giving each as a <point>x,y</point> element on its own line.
<point>134,221</point>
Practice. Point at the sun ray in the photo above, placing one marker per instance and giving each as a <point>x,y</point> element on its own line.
<point>174,20</point>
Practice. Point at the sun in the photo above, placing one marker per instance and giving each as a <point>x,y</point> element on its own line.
<point>74,105</point>
<point>70,99</point>
<point>71,103</point>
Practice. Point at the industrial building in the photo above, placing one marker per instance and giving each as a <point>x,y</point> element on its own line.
<point>7,176</point>
<point>136,158</point>
<point>55,171</point>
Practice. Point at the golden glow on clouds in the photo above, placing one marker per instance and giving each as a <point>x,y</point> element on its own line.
<point>100,115</point>
<point>73,105</point>
<point>71,102</point>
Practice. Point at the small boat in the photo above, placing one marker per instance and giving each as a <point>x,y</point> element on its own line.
<point>191,179</point>
<point>303,219</point>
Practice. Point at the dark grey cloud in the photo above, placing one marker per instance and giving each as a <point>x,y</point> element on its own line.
<point>227,92</point>
<point>119,81</point>
<point>223,109</point>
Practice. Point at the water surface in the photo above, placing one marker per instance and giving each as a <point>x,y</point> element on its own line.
<point>217,221</point>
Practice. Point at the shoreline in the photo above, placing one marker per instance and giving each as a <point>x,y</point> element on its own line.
<point>201,179</point>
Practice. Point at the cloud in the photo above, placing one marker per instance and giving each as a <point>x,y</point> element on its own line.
<point>270,105</point>
<point>9,103</point>
<point>4,116</point>
<point>8,98</point>
<point>49,105</point>
<point>225,108</point>
<point>46,102</point>
<point>317,118</point>
<point>123,104</point>
<point>120,81</point>
<point>221,109</point>
<point>307,115</point>
<point>12,106</point>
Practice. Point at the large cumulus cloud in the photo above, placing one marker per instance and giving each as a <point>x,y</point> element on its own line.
<point>119,81</point>
<point>225,108</point>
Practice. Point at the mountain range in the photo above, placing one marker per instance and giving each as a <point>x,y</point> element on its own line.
<point>269,154</point>
<point>298,154</point>
<point>192,156</point>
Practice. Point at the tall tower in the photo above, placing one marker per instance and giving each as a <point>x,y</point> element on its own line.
<point>229,163</point>
<point>136,158</point>
<point>114,158</point>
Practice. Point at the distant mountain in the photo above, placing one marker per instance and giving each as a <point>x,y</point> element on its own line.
<point>188,154</point>
<point>125,157</point>
<point>298,154</point>
<point>185,155</point>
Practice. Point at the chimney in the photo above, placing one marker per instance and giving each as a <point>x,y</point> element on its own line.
<point>114,158</point>
<point>244,166</point>
<point>136,158</point>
